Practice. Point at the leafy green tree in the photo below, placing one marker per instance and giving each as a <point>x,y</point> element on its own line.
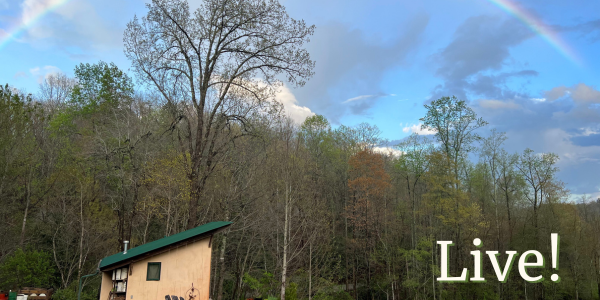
<point>96,90</point>
<point>261,286</point>
<point>100,84</point>
<point>16,134</point>
<point>341,295</point>
<point>455,125</point>
<point>27,268</point>
<point>291,291</point>
<point>315,131</point>
<point>21,124</point>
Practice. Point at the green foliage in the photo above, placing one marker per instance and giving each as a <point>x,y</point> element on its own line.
<point>65,294</point>
<point>260,286</point>
<point>27,268</point>
<point>18,116</point>
<point>70,293</point>
<point>341,295</point>
<point>291,291</point>
<point>100,84</point>
<point>315,123</point>
<point>14,107</point>
<point>316,133</point>
<point>454,123</point>
<point>99,87</point>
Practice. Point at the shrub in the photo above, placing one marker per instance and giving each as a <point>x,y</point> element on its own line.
<point>27,268</point>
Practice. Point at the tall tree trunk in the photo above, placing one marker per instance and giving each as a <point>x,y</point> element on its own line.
<point>25,218</point>
<point>310,271</point>
<point>413,223</point>
<point>535,219</point>
<point>510,228</point>
<point>194,200</point>
<point>346,239</point>
<point>432,268</point>
<point>597,273</point>
<point>222,267</point>
<point>285,241</point>
<point>27,203</point>
<point>80,264</point>
<point>355,261</point>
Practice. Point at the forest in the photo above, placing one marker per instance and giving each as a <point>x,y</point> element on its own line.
<point>320,210</point>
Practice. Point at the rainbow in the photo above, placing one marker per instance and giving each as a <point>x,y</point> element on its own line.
<point>539,27</point>
<point>28,21</point>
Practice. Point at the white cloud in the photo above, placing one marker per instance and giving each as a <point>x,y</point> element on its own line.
<point>580,93</point>
<point>578,198</point>
<point>566,123</point>
<point>587,131</point>
<point>32,8</point>
<point>559,141</point>
<point>282,94</point>
<point>416,128</point>
<point>585,94</point>
<point>291,106</point>
<point>43,72</point>
<point>388,151</point>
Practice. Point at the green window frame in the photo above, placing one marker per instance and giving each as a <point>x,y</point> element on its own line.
<point>153,278</point>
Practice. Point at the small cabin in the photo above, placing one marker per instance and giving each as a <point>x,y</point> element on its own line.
<point>172,268</point>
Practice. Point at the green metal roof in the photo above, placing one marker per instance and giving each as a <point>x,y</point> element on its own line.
<point>164,242</point>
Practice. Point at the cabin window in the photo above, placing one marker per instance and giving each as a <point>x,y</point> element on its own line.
<point>153,271</point>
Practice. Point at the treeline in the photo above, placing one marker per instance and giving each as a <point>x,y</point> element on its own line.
<point>318,212</point>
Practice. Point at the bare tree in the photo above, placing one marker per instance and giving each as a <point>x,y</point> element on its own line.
<point>490,154</point>
<point>538,170</point>
<point>413,165</point>
<point>222,61</point>
<point>56,88</point>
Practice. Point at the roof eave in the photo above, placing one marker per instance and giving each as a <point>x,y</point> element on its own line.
<point>163,249</point>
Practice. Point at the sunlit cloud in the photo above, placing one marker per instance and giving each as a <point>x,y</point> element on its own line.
<point>416,128</point>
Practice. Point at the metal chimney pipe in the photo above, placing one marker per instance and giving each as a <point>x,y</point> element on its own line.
<point>125,244</point>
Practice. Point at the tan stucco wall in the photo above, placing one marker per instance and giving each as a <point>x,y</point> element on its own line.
<point>106,285</point>
<point>180,268</point>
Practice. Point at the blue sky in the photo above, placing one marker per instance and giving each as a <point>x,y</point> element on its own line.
<point>380,61</point>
